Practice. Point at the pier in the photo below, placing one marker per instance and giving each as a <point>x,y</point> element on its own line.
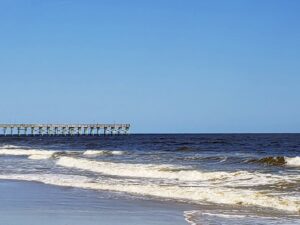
<point>63,129</point>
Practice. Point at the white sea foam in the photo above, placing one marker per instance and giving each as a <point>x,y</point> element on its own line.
<point>32,154</point>
<point>9,146</point>
<point>240,178</point>
<point>39,156</point>
<point>199,217</point>
<point>215,187</point>
<point>94,152</point>
<point>189,216</point>
<point>192,216</point>
<point>46,154</point>
<point>115,152</point>
<point>102,152</point>
<point>36,154</point>
<point>194,194</point>
<point>292,161</point>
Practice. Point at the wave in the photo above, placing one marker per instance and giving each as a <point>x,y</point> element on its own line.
<point>278,161</point>
<point>164,171</point>
<point>39,156</point>
<point>102,152</point>
<point>205,158</point>
<point>32,154</point>
<point>274,161</point>
<point>9,146</point>
<point>293,161</point>
<point>191,194</point>
<point>244,158</point>
<point>36,154</point>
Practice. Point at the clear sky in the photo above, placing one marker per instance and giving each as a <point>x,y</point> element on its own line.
<point>163,66</point>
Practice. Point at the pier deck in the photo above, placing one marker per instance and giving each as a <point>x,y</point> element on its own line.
<point>62,129</point>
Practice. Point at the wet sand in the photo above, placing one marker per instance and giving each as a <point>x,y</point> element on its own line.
<point>30,203</point>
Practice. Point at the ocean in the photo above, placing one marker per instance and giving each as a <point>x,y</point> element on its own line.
<point>150,179</point>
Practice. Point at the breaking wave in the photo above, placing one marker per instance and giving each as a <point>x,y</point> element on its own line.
<point>190,194</point>
<point>36,154</point>
<point>183,183</point>
<point>278,161</point>
<point>32,154</point>
<point>102,152</point>
<point>293,161</point>
<point>9,146</point>
<point>164,171</point>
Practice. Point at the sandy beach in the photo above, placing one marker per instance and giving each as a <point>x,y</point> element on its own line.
<point>31,203</point>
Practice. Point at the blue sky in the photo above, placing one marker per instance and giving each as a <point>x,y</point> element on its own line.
<point>164,66</point>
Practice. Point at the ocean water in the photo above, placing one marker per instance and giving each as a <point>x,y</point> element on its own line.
<point>207,178</point>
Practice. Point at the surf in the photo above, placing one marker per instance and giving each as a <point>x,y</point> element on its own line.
<point>32,154</point>
<point>278,161</point>
<point>196,195</point>
<point>92,153</point>
<point>172,172</point>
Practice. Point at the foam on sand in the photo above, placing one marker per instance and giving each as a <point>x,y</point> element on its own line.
<point>197,217</point>
<point>192,216</point>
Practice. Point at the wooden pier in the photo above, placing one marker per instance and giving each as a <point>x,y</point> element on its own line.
<point>63,129</point>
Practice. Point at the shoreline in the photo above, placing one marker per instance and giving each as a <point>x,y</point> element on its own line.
<point>34,203</point>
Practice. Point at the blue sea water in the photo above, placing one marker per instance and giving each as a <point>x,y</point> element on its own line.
<point>193,178</point>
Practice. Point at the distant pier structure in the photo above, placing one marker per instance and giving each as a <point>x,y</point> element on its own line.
<point>63,129</point>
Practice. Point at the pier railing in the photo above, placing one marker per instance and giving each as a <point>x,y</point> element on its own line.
<point>63,129</point>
